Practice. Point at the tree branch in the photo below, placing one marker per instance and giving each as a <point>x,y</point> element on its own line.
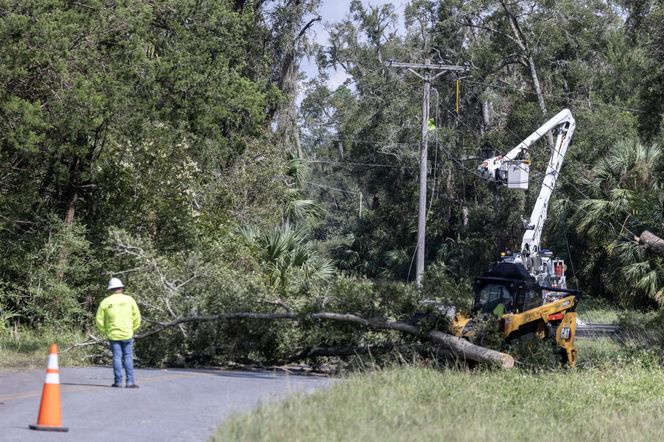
<point>307,26</point>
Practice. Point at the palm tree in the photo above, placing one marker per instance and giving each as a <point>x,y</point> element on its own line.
<point>620,189</point>
<point>285,251</point>
<point>297,208</point>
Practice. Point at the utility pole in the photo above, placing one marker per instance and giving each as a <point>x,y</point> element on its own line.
<point>428,67</point>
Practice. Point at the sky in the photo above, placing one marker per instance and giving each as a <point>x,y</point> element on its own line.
<point>332,11</point>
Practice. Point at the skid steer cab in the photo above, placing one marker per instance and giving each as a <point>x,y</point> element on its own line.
<point>510,295</point>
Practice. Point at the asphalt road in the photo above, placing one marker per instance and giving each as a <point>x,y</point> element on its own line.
<point>170,405</point>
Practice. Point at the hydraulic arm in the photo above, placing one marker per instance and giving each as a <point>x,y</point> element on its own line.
<point>513,169</point>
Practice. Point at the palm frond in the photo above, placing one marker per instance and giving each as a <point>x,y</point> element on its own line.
<point>301,254</point>
<point>302,209</point>
<point>626,252</point>
<point>247,232</point>
<point>297,169</point>
<point>319,269</point>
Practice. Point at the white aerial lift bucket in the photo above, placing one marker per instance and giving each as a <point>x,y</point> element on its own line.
<point>517,174</point>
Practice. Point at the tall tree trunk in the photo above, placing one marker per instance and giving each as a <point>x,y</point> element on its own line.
<point>70,212</point>
<point>522,42</point>
<point>340,146</point>
<point>73,192</point>
<point>486,115</point>
<point>287,113</point>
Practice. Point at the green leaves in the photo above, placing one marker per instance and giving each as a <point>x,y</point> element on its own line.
<point>103,92</point>
<point>22,125</point>
<point>144,116</point>
<point>626,188</point>
<point>285,251</point>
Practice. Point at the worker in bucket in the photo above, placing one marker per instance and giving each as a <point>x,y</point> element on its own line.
<point>118,318</point>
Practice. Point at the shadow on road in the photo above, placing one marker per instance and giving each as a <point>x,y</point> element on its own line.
<point>85,385</point>
<point>253,374</point>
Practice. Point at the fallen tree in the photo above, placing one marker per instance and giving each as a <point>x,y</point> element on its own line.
<point>453,346</point>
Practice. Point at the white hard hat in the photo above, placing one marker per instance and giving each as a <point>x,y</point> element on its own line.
<point>115,283</point>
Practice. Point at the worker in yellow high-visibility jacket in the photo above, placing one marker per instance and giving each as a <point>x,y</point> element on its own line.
<point>504,305</point>
<point>118,318</point>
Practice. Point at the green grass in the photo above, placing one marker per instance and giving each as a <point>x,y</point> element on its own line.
<point>616,393</point>
<point>609,354</point>
<point>419,404</point>
<point>601,316</point>
<point>22,349</point>
<point>597,310</point>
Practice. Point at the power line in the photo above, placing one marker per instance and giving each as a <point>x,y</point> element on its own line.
<point>561,97</point>
<point>474,172</point>
<point>350,163</point>
<point>373,142</point>
<point>332,188</point>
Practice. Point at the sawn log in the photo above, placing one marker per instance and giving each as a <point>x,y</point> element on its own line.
<point>652,242</point>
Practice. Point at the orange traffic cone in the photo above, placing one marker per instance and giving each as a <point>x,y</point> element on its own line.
<point>50,418</point>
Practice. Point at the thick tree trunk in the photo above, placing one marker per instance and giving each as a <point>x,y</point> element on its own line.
<point>452,345</point>
<point>536,84</point>
<point>486,116</point>
<point>340,146</point>
<point>652,242</point>
<point>287,115</point>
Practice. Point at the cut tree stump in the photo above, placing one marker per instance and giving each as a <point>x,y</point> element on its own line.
<point>652,242</point>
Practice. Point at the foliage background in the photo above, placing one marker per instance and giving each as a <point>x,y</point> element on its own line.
<point>162,142</point>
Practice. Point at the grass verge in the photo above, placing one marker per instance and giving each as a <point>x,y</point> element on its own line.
<point>597,310</point>
<point>419,404</point>
<point>22,349</point>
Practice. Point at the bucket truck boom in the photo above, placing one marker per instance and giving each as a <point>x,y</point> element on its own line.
<point>513,170</point>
